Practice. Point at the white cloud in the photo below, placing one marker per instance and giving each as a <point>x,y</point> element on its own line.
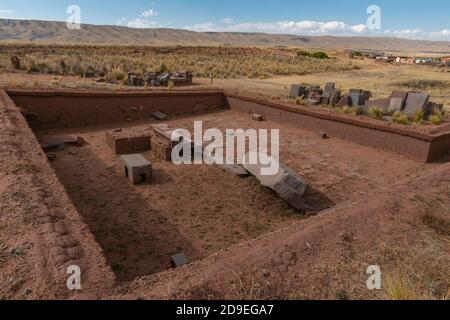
<point>149,13</point>
<point>142,23</point>
<point>145,20</point>
<point>290,27</point>
<point>227,20</point>
<point>442,33</point>
<point>5,13</point>
<point>310,27</point>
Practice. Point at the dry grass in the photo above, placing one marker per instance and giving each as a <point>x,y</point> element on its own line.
<point>115,62</point>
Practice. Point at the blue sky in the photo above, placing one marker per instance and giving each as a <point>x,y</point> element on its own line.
<point>410,19</point>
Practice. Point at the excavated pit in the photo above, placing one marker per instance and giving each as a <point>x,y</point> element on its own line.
<point>196,210</point>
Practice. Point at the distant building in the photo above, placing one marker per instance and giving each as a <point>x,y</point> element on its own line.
<point>401,60</point>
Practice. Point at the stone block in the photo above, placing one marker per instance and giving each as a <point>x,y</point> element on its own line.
<point>179,260</point>
<point>329,88</point>
<point>416,102</point>
<point>335,97</point>
<point>136,168</point>
<point>344,101</point>
<point>396,104</point>
<point>129,141</point>
<point>382,104</point>
<point>400,100</point>
<point>159,115</point>
<point>357,99</point>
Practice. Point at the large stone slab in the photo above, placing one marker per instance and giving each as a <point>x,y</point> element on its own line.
<point>286,183</point>
<point>329,88</point>
<point>297,91</point>
<point>416,102</point>
<point>335,97</point>
<point>398,101</point>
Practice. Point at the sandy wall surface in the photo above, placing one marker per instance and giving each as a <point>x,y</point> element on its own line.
<point>39,222</point>
<point>56,109</point>
<point>73,108</point>
<point>411,143</point>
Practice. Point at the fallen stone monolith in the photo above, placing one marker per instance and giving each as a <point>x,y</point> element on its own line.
<point>285,182</point>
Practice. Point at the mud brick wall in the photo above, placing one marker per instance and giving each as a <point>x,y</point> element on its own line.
<point>56,109</point>
<point>412,144</point>
<point>43,221</point>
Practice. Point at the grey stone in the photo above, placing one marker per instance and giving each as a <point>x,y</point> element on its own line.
<point>58,146</point>
<point>297,91</point>
<point>416,102</point>
<point>434,108</point>
<point>329,88</point>
<point>382,104</point>
<point>159,115</point>
<point>355,91</point>
<point>335,97</point>
<point>396,104</point>
<point>136,168</point>
<point>285,182</point>
<point>357,99</point>
<point>400,95</point>
<point>235,169</point>
<point>344,101</point>
<point>179,260</point>
<point>313,102</point>
<point>257,117</point>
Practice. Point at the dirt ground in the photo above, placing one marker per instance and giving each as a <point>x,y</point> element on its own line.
<point>202,210</point>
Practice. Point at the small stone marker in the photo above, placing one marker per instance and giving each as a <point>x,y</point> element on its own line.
<point>323,135</point>
<point>179,260</point>
<point>159,115</point>
<point>136,168</point>
<point>257,117</point>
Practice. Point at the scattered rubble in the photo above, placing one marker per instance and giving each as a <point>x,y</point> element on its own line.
<point>157,79</point>
<point>410,103</point>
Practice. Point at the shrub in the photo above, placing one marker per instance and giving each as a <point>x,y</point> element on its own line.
<point>418,116</point>
<point>376,113</point>
<point>435,119</point>
<point>358,111</point>
<point>400,118</point>
<point>319,55</point>
<point>315,55</point>
<point>15,61</point>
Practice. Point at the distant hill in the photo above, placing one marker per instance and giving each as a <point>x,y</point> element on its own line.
<point>48,32</point>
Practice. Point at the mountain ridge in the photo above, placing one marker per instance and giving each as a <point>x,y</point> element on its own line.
<point>56,32</point>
